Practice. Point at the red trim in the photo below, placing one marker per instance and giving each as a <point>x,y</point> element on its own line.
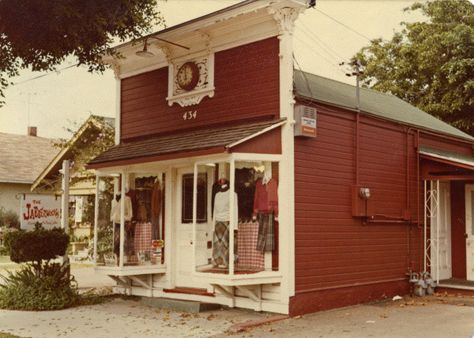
<point>172,156</point>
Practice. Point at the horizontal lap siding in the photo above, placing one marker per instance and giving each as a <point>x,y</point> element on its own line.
<point>333,248</point>
<point>247,87</point>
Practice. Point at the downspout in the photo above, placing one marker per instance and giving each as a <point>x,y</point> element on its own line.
<point>357,148</point>
<point>420,246</point>
<point>407,207</point>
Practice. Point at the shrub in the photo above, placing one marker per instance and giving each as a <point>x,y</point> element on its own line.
<point>39,285</point>
<point>24,290</point>
<point>9,218</point>
<point>37,245</point>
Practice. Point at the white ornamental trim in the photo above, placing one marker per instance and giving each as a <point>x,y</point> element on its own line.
<point>205,86</point>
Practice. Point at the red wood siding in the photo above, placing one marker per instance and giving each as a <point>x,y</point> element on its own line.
<point>247,87</point>
<point>334,249</point>
<point>268,143</point>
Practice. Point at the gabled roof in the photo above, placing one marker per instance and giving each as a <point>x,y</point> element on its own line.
<point>51,168</point>
<point>372,102</point>
<point>23,157</point>
<point>219,139</point>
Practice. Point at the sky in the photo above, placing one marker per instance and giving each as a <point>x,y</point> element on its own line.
<point>325,36</point>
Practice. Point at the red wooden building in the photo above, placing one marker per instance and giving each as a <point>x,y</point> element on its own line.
<point>333,204</point>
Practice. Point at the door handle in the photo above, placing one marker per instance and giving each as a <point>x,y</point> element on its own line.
<point>191,242</point>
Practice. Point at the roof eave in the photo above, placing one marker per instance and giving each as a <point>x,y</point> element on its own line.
<point>90,122</point>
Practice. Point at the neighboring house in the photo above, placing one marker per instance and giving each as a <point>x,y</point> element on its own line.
<point>92,137</point>
<point>21,160</point>
<point>347,201</point>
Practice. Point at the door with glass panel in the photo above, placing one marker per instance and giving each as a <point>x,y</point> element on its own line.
<point>470,231</point>
<point>187,249</point>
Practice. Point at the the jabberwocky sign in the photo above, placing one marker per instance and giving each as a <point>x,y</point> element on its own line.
<point>45,209</point>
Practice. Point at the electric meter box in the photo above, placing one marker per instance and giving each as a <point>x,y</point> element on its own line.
<point>305,118</point>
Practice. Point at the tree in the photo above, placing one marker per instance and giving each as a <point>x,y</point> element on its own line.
<point>40,34</point>
<point>429,64</point>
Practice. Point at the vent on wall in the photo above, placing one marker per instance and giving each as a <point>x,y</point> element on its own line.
<point>305,118</point>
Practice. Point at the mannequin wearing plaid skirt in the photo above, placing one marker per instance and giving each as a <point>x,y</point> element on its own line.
<point>221,220</point>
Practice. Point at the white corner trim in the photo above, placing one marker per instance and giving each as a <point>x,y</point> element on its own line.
<point>118,109</point>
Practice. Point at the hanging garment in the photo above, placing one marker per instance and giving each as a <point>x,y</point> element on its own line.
<point>249,257</point>
<point>220,244</point>
<point>115,210</point>
<point>143,239</point>
<point>265,209</point>
<point>266,197</point>
<point>156,210</point>
<point>266,238</point>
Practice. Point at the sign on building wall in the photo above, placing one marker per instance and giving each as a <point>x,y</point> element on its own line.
<point>305,121</point>
<point>45,209</point>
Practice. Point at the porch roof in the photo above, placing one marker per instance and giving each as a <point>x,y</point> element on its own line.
<point>198,142</point>
<point>447,157</point>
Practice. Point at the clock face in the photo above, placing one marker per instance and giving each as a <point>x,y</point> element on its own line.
<point>188,76</point>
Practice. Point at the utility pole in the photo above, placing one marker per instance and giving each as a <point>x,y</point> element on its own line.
<point>357,72</point>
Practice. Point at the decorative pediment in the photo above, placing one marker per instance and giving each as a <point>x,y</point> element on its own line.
<point>190,80</point>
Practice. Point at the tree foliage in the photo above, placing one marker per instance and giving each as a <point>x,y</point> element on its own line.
<point>429,64</point>
<point>98,137</point>
<point>41,34</point>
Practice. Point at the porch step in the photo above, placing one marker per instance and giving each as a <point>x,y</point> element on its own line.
<point>180,305</point>
<point>190,291</point>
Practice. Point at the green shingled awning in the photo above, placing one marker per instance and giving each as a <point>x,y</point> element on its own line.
<point>459,160</point>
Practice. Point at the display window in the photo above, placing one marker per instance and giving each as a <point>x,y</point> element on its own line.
<point>140,206</point>
<point>242,220</point>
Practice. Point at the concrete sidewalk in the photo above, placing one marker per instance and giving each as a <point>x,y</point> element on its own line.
<point>435,317</point>
<point>121,318</point>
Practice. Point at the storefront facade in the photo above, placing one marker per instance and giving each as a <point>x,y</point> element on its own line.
<point>213,112</point>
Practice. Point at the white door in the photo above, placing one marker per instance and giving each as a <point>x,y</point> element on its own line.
<point>184,262</point>
<point>470,231</point>
<point>441,267</point>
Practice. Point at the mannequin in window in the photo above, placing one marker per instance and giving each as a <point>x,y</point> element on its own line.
<point>221,221</point>
<point>265,209</point>
<point>115,218</point>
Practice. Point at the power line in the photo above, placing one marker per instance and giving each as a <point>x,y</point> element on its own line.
<point>306,30</point>
<point>317,52</point>
<point>43,75</point>
<point>304,76</point>
<point>344,25</point>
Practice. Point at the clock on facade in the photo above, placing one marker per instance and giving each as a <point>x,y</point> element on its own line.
<point>187,76</point>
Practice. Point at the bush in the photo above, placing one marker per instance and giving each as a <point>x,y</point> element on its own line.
<point>24,290</point>
<point>9,218</point>
<point>39,285</point>
<point>37,245</point>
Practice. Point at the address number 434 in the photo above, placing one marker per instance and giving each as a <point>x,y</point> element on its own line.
<point>190,115</point>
